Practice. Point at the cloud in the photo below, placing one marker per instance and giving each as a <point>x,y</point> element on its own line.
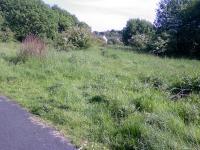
<point>108,14</point>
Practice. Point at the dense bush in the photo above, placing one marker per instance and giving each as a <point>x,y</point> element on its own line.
<point>180,20</point>
<point>158,44</point>
<point>114,41</point>
<point>65,19</point>
<point>189,33</point>
<point>29,16</point>
<point>138,33</point>
<point>74,37</point>
<point>2,20</point>
<point>54,25</point>
<point>6,35</point>
<point>26,17</point>
<point>140,41</point>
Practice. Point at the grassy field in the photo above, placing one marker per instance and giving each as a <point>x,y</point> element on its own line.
<point>108,98</point>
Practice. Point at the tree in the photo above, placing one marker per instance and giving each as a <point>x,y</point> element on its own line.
<point>168,14</point>
<point>29,16</point>
<point>190,30</point>
<point>26,17</point>
<point>137,32</point>
<point>174,17</point>
<point>65,19</point>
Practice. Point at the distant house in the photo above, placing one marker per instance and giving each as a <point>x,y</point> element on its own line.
<point>105,39</point>
<point>110,37</point>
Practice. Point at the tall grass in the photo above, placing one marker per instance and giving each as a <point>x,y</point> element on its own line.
<point>33,46</point>
<point>109,98</point>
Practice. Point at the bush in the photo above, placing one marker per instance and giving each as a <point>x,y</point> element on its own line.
<point>75,37</point>
<point>65,19</point>
<point>159,44</point>
<point>180,20</point>
<point>185,87</point>
<point>61,44</point>
<point>140,41</point>
<point>98,41</point>
<point>29,16</point>
<point>137,32</point>
<point>6,35</point>
<point>35,17</point>
<point>32,46</point>
<point>114,41</point>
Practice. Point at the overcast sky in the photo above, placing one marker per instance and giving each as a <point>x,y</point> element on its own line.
<point>104,15</point>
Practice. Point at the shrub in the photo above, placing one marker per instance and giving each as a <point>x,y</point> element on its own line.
<point>29,16</point>
<point>114,41</point>
<point>185,87</point>
<point>62,44</point>
<point>6,35</point>
<point>137,29</point>
<point>75,37</point>
<point>34,16</point>
<point>32,46</point>
<point>159,44</point>
<point>140,41</point>
<point>180,19</point>
<point>98,41</point>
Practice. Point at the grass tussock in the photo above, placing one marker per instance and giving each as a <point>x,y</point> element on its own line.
<point>109,98</point>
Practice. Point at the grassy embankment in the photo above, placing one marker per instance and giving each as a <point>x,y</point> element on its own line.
<point>110,98</point>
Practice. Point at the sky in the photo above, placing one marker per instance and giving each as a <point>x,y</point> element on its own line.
<point>104,15</point>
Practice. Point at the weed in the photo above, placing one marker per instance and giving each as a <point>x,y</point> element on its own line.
<point>32,46</point>
<point>111,103</point>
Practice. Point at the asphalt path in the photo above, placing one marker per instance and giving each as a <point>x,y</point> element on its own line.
<point>19,131</point>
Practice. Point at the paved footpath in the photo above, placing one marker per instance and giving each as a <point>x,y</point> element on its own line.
<point>19,132</point>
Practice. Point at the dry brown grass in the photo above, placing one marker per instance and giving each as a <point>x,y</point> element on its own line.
<point>33,46</point>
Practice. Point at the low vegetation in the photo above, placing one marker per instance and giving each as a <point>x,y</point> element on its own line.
<point>107,98</point>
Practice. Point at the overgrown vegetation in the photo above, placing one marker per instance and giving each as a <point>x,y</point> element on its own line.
<point>175,31</point>
<point>106,97</point>
<point>32,46</point>
<point>138,33</point>
<point>109,98</point>
<point>73,38</point>
<point>21,18</point>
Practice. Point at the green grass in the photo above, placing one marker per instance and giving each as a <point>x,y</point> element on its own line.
<point>109,98</point>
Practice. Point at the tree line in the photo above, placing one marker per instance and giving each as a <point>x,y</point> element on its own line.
<point>175,32</point>
<point>20,18</point>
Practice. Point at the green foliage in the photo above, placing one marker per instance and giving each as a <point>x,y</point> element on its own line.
<point>159,44</point>
<point>138,33</point>
<point>26,17</point>
<point>114,41</point>
<point>168,14</point>
<point>180,20</point>
<point>65,19</point>
<point>2,20</point>
<point>61,43</point>
<point>140,41</point>
<point>74,37</point>
<point>189,33</point>
<point>29,16</point>
<point>56,26</point>
<point>6,35</point>
<point>84,26</point>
